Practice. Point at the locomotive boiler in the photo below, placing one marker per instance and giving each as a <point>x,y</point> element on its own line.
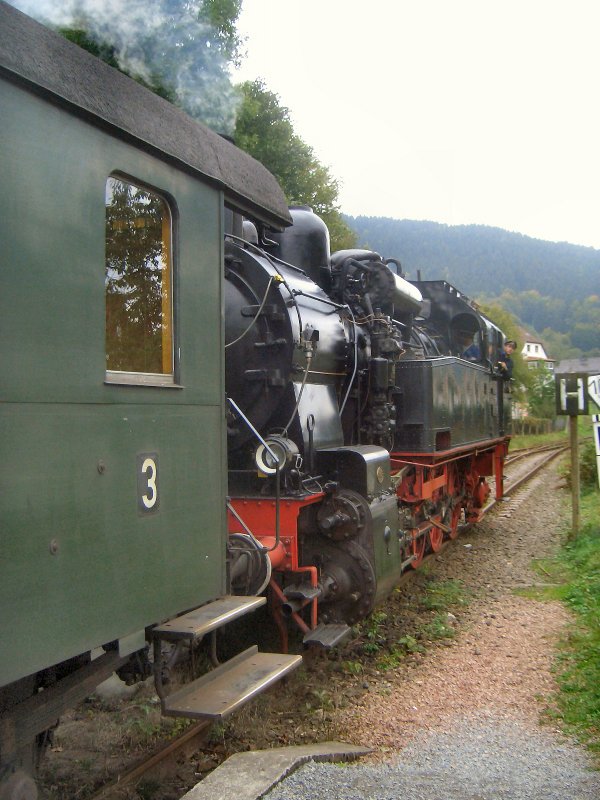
<point>358,433</point>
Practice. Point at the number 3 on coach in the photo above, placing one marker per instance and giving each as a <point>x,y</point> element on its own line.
<point>147,482</point>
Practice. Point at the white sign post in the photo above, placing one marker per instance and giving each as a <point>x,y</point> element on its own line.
<point>594,393</point>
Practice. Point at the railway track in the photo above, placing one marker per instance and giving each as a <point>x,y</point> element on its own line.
<point>193,737</point>
<point>530,462</point>
<point>521,453</point>
<point>539,458</point>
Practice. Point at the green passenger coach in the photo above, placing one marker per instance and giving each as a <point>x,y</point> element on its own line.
<point>113,468</point>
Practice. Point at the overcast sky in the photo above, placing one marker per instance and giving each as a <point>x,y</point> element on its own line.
<point>457,111</point>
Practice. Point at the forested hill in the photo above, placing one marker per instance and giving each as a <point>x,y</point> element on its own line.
<point>479,259</point>
<point>545,284</point>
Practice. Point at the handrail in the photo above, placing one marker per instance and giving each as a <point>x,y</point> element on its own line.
<point>239,411</point>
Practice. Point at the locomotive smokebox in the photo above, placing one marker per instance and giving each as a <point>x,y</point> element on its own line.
<point>306,245</point>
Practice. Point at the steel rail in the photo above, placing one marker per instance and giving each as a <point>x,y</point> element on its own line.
<point>553,453</point>
<point>517,455</point>
<point>163,752</point>
<point>511,487</point>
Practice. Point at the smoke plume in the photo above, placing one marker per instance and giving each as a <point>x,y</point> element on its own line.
<point>163,42</point>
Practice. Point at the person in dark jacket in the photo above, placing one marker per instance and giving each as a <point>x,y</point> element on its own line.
<point>471,351</point>
<point>505,363</point>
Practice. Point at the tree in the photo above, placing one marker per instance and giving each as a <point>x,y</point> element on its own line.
<point>559,345</point>
<point>264,129</point>
<point>585,319</point>
<point>223,15</point>
<point>541,394</point>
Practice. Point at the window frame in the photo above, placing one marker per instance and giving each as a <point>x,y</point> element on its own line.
<point>151,379</point>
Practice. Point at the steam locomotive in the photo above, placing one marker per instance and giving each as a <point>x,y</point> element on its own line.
<point>358,433</point>
<point>199,404</point>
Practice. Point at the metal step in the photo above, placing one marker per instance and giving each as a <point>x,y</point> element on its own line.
<point>328,636</point>
<point>201,621</point>
<point>303,591</point>
<point>226,688</point>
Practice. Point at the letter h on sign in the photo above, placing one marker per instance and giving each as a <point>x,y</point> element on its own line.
<point>571,395</point>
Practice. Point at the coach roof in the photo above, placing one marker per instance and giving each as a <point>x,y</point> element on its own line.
<point>47,63</point>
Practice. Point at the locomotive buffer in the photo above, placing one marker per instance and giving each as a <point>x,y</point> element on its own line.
<point>227,687</point>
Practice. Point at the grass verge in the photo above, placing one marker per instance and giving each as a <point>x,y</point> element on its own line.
<point>575,574</point>
<point>537,440</point>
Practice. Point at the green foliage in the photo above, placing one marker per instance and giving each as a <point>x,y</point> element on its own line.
<point>371,647</point>
<point>439,596</point>
<point>372,630</point>
<point>373,623</point>
<point>586,337</point>
<point>405,645</point>
<point>533,309</point>
<point>554,574</point>
<point>319,700</point>
<point>442,595</point>
<point>556,437</point>
<point>392,659</point>
<point>559,345</point>
<point>143,726</point>
<point>533,385</point>
<point>353,667</point>
<point>222,16</point>
<point>579,662</point>
<point>438,628</point>
<point>264,129</point>
<point>81,38</point>
<point>541,393</point>
<point>588,470</point>
<point>575,321</point>
<point>410,644</point>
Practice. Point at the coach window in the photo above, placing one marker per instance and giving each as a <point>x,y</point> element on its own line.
<point>139,286</point>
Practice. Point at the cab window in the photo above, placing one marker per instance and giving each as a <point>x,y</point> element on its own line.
<point>139,285</point>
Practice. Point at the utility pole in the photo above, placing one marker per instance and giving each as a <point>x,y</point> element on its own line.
<point>575,489</point>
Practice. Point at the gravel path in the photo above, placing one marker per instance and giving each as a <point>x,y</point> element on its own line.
<point>478,758</point>
<point>462,722</point>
